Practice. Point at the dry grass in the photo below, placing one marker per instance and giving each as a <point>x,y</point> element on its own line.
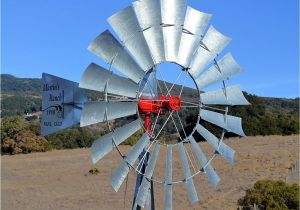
<point>60,179</point>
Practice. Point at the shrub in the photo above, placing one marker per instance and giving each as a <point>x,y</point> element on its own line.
<point>94,171</point>
<point>71,138</point>
<point>10,126</point>
<point>25,141</point>
<point>268,194</point>
<point>17,137</point>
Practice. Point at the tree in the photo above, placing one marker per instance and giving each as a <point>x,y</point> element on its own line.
<point>17,137</point>
<point>10,126</point>
<point>271,195</point>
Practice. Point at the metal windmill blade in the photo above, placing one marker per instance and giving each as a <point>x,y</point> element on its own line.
<point>172,14</point>
<point>148,13</point>
<point>152,32</point>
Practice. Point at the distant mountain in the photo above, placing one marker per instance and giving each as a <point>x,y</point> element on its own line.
<point>12,84</point>
<point>23,95</point>
<point>265,116</point>
<point>278,105</point>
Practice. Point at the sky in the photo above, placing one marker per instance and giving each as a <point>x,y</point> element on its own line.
<point>52,36</point>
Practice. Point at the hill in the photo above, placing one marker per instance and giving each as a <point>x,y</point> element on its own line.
<point>28,88</point>
<point>23,95</point>
<point>265,116</point>
<point>12,84</point>
<point>278,105</point>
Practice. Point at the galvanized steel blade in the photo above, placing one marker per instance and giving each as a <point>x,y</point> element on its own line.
<point>200,60</point>
<point>148,86</point>
<point>232,95</point>
<point>225,68</point>
<point>119,175</point>
<point>99,79</point>
<point>214,42</point>
<point>105,144</point>
<point>155,40</point>
<point>208,169</point>
<point>230,123</point>
<point>168,180</point>
<point>194,26</point>
<point>192,193</point>
<point>100,111</point>
<point>172,14</point>
<point>146,182</point>
<point>107,47</point>
<point>148,13</point>
<point>172,36</point>
<point>126,25</point>
<point>196,21</point>
<point>220,147</point>
<point>138,47</point>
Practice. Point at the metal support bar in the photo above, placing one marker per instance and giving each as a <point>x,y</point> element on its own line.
<point>138,182</point>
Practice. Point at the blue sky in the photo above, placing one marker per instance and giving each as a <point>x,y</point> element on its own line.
<point>52,36</point>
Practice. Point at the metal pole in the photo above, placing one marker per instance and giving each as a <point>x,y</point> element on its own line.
<point>139,178</point>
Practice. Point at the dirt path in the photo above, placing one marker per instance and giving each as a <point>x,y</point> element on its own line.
<point>60,179</point>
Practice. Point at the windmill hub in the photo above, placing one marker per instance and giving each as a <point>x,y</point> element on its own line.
<point>157,106</point>
<point>160,105</point>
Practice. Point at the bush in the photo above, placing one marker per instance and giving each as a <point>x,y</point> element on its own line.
<point>10,126</point>
<point>94,171</point>
<point>17,137</point>
<point>268,194</point>
<point>71,138</point>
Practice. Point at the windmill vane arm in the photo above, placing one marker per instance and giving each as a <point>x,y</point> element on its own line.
<point>75,105</point>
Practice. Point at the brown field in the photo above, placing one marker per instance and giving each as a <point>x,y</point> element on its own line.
<point>60,179</point>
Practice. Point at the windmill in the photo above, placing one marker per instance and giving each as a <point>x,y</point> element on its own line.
<point>152,32</point>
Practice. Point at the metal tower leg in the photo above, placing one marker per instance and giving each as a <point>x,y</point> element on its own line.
<point>139,178</point>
